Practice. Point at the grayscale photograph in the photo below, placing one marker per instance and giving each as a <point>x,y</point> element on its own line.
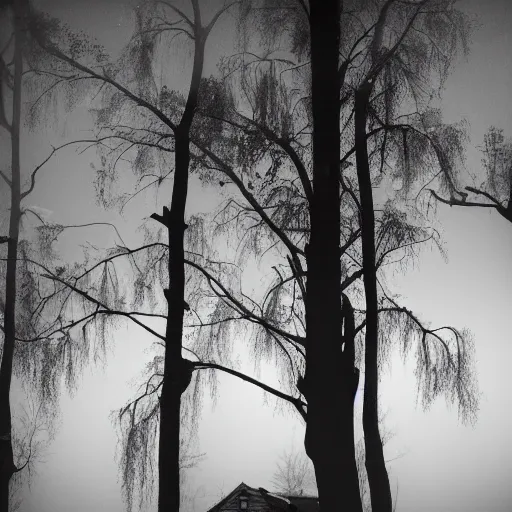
<point>253,255</point>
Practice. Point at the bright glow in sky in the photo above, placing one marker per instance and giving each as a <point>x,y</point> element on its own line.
<point>441,465</point>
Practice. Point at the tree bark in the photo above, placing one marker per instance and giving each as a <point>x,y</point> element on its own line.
<point>330,426</point>
<point>378,480</point>
<point>172,387</point>
<point>7,467</point>
<point>177,373</point>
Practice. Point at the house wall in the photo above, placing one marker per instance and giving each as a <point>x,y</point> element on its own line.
<point>256,503</point>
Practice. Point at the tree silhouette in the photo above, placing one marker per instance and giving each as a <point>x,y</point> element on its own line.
<point>170,374</point>
<point>295,475</point>
<point>386,69</point>
<point>36,347</point>
<point>176,371</point>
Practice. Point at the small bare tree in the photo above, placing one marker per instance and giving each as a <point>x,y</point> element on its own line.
<point>294,474</point>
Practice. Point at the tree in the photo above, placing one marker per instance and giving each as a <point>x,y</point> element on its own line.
<point>380,62</point>
<point>138,419</point>
<point>11,78</point>
<point>9,309</point>
<point>386,72</point>
<point>329,438</point>
<point>177,371</point>
<point>295,475</point>
<point>173,373</point>
<point>36,348</point>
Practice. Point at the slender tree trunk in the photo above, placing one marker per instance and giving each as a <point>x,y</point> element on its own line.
<point>178,371</point>
<point>330,427</point>
<point>7,467</point>
<point>380,492</point>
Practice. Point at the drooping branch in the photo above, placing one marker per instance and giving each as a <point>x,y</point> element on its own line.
<point>38,167</point>
<point>56,52</point>
<point>380,61</point>
<point>86,318</point>
<point>100,304</point>
<point>239,307</point>
<point>126,252</point>
<point>229,172</point>
<point>285,145</point>
<point>425,331</point>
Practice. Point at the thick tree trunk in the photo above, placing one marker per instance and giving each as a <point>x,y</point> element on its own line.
<point>378,480</point>
<point>178,371</point>
<point>330,426</point>
<point>7,467</point>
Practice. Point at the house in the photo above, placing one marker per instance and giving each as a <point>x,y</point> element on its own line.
<point>260,500</point>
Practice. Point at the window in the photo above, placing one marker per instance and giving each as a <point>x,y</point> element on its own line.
<point>243,500</point>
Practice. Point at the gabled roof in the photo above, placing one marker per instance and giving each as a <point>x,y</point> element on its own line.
<point>231,495</point>
<point>276,501</point>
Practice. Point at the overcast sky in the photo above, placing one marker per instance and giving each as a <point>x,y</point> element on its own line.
<point>439,464</point>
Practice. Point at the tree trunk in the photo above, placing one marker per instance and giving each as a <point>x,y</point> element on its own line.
<point>170,399</point>
<point>330,427</point>
<point>177,373</point>
<point>380,492</point>
<point>7,467</point>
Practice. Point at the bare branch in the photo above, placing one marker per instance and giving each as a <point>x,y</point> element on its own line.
<point>288,149</point>
<point>217,15</point>
<point>105,307</point>
<point>53,50</point>
<point>485,194</point>
<point>34,172</point>
<point>5,178</point>
<point>459,202</point>
<point>297,402</point>
<point>228,171</point>
<point>178,11</point>
<point>246,313</point>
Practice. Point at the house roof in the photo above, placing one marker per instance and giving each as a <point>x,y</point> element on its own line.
<point>276,501</point>
<point>305,503</point>
<point>233,493</point>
